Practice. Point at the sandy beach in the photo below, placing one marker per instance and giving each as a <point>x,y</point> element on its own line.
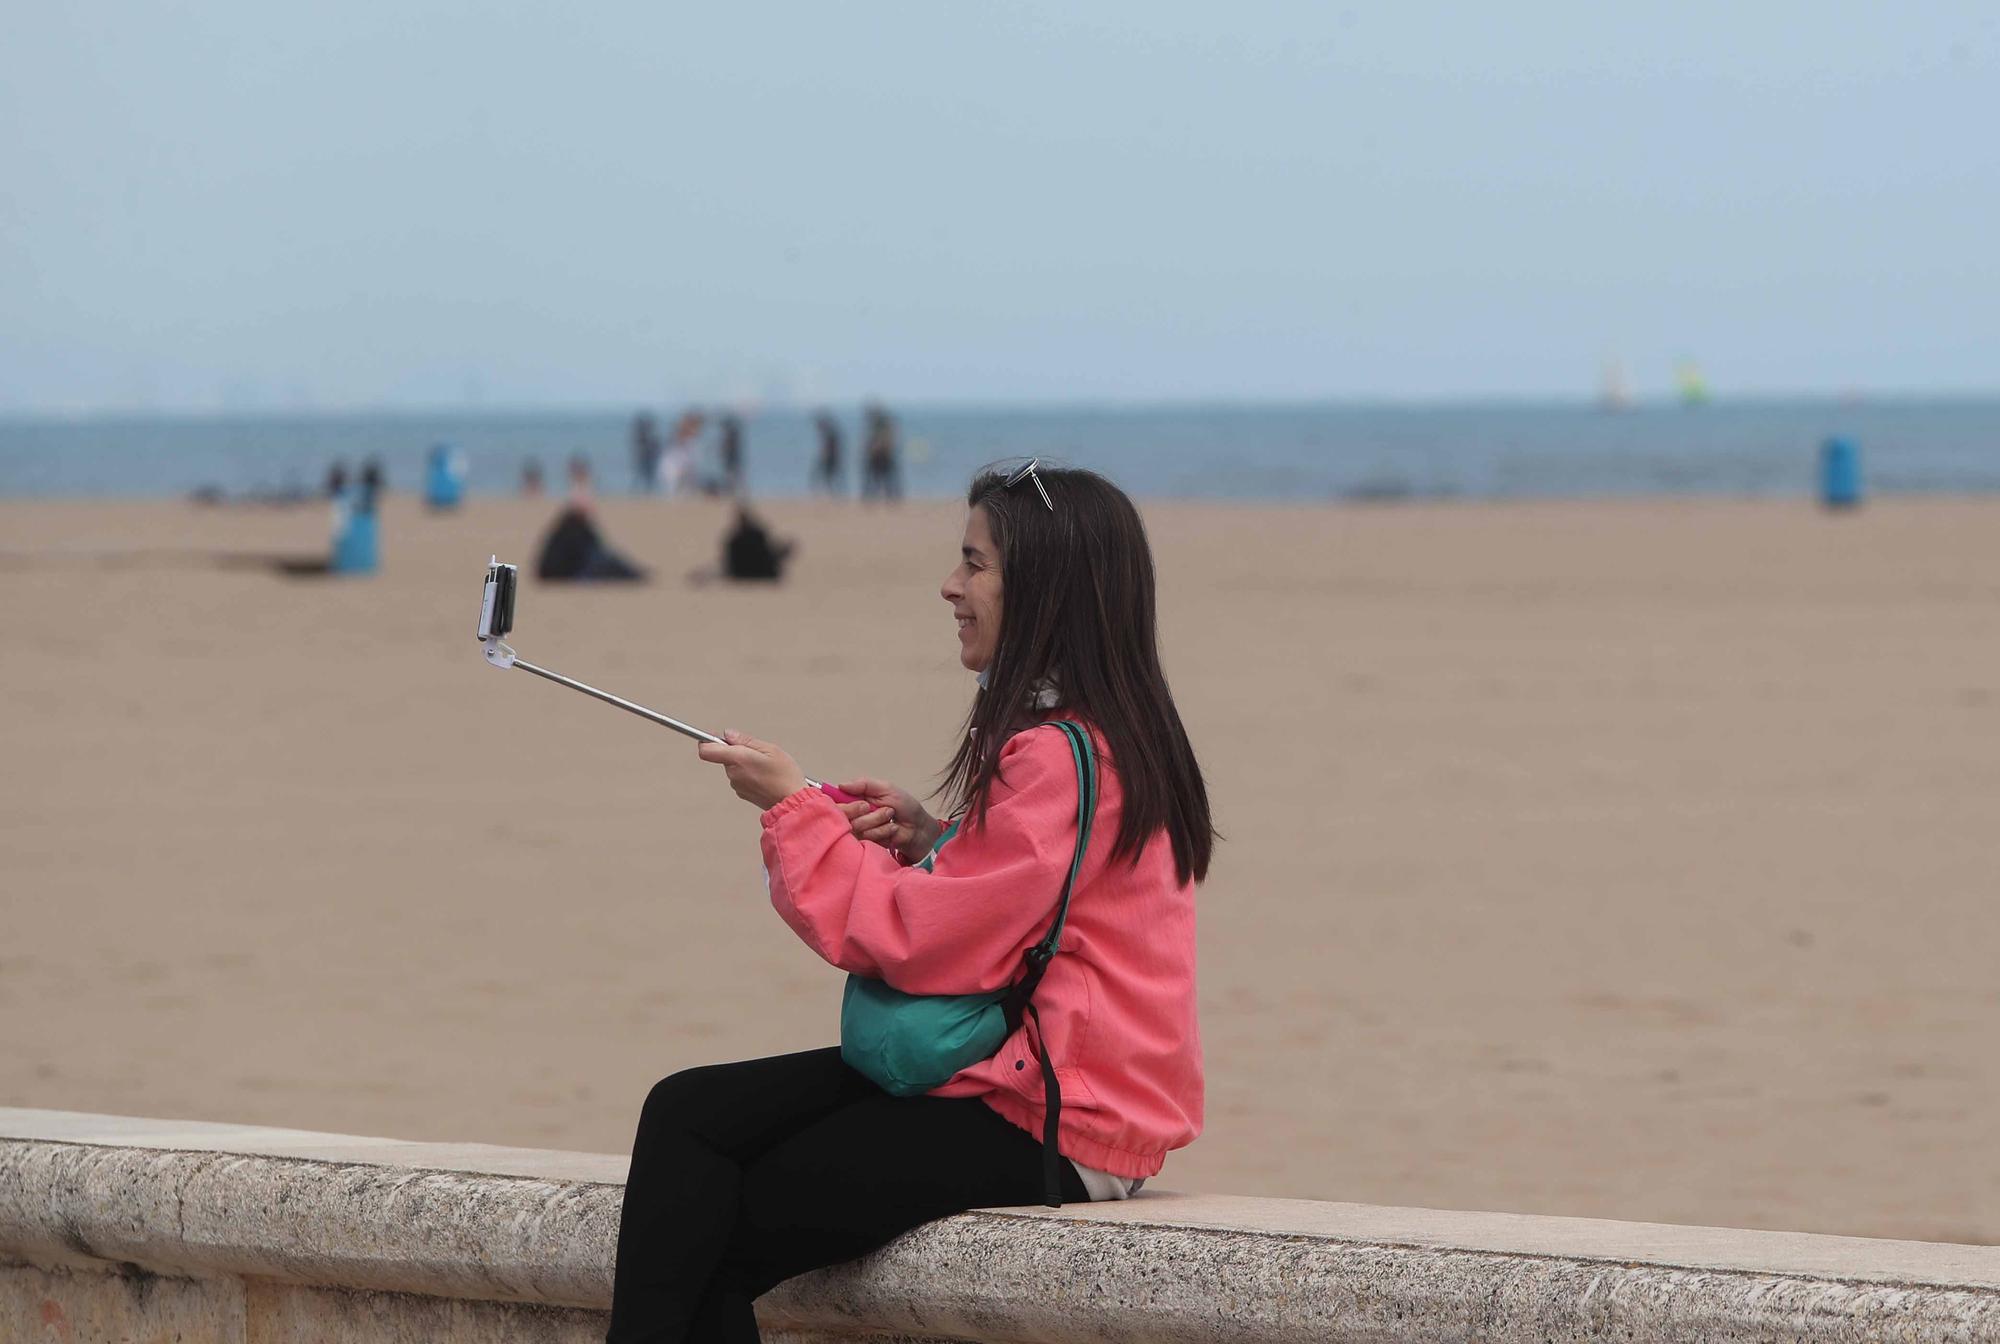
<point>1630,860</point>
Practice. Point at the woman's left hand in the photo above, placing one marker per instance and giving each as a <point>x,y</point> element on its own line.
<point>759,772</point>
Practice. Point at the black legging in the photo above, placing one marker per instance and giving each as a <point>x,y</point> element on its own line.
<point>746,1174</point>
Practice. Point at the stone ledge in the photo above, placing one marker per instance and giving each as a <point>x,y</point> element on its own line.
<point>207,1202</point>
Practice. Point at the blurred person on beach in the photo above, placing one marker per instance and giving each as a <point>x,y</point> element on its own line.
<point>646,453</point>
<point>339,506</point>
<point>677,465</point>
<point>574,549</point>
<point>746,1174</point>
<point>371,486</point>
<point>749,552</point>
<point>879,477</point>
<point>531,478</point>
<point>730,449</point>
<point>826,469</point>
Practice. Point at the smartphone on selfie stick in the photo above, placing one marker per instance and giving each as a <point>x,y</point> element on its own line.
<point>496,621</point>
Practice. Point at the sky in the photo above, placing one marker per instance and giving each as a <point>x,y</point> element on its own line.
<point>237,205</point>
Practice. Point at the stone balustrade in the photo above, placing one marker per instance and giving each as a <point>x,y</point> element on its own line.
<point>119,1229</point>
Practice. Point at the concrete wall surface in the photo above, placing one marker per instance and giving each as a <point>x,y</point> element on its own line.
<point>120,1229</point>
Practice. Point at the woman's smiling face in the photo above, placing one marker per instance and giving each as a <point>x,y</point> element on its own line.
<point>973,589</point>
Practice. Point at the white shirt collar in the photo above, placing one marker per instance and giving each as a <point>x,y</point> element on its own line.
<point>1045,694</point>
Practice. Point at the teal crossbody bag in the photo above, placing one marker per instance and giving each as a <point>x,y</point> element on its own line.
<point>908,1044</point>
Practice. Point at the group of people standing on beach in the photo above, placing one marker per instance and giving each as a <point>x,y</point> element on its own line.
<point>574,546</point>
<point>671,465</point>
<point>881,476</point>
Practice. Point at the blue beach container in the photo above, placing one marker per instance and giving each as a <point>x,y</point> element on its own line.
<point>355,549</point>
<point>1840,474</point>
<point>444,478</point>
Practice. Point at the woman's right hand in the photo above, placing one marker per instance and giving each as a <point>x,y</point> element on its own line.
<point>890,817</point>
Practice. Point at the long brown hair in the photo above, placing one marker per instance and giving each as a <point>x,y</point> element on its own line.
<point>1077,613</point>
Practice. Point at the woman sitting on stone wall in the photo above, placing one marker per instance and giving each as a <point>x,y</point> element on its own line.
<point>746,1174</point>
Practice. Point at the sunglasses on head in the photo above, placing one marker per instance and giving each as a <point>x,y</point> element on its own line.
<point>1027,473</point>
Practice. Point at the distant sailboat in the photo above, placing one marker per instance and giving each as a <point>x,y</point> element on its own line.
<point>1694,387</point>
<point>1615,392</point>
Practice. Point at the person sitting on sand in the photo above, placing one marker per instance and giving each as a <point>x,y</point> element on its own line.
<point>746,1174</point>
<point>749,552</point>
<point>573,548</point>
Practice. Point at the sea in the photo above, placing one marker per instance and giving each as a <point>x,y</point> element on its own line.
<point>1336,451</point>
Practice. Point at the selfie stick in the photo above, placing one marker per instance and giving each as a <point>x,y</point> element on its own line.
<point>496,618</point>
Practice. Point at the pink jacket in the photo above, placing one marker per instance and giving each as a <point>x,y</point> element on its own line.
<point>1118,1001</point>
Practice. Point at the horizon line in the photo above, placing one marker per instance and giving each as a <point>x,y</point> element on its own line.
<point>791,406</point>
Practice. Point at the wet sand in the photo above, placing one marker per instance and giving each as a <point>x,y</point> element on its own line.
<point>1632,860</point>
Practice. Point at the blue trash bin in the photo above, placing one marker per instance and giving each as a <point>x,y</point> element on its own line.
<point>355,550</point>
<point>1840,474</point>
<point>444,478</point>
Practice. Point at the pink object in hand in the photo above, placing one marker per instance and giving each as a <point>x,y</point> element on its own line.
<point>838,795</point>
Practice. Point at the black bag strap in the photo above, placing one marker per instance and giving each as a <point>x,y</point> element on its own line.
<point>1038,957</point>
<point>1085,753</point>
<point>1019,1001</point>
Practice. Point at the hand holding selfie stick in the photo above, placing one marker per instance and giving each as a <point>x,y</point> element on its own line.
<point>496,619</point>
